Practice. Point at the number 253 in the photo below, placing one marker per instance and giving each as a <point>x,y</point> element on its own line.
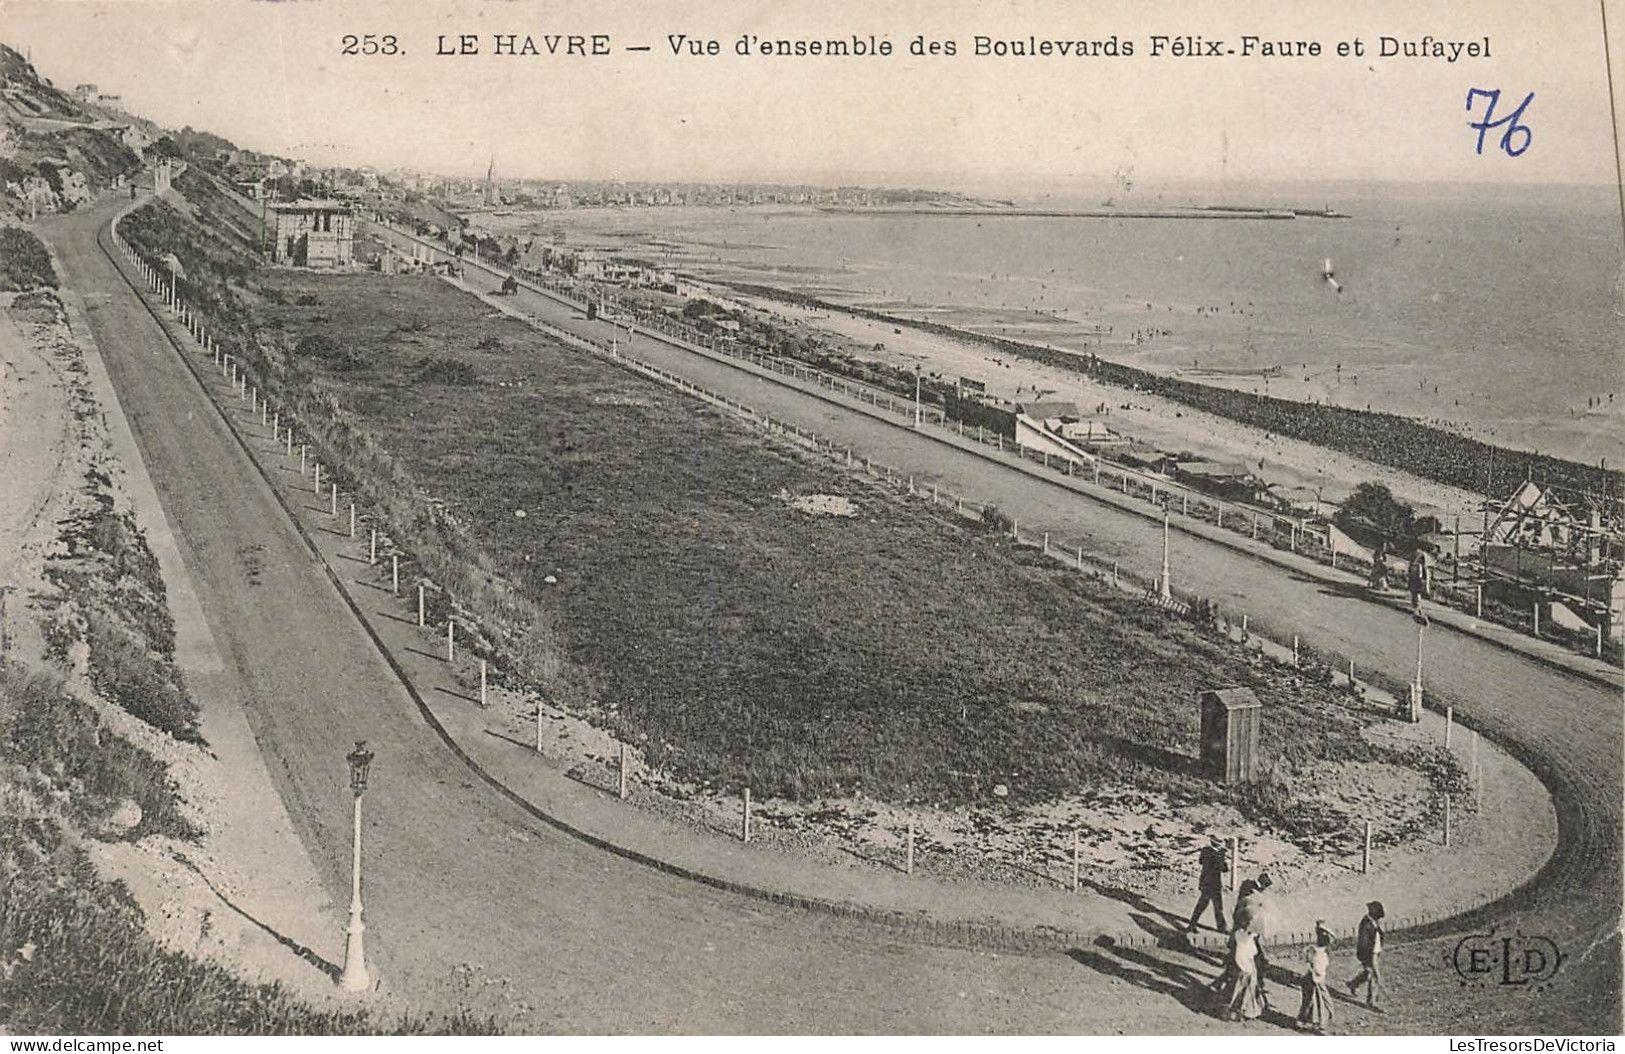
<point>370,44</point>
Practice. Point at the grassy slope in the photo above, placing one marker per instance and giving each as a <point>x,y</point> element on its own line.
<point>74,956</point>
<point>754,644</point>
<point>902,652</point>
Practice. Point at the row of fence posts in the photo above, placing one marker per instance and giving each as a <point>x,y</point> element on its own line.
<point>662,324</point>
<point>746,817</point>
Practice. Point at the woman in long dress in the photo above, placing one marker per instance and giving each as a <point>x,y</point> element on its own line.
<point>1243,999</point>
<point>1316,1011</point>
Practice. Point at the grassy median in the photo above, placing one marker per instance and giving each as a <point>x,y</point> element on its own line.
<point>693,607</point>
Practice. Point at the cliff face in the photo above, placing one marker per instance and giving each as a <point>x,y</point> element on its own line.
<point>58,149</point>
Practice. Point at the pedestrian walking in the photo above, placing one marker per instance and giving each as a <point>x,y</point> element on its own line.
<point>1241,999</point>
<point>1252,916</point>
<point>1368,950</point>
<point>1379,568</point>
<point>1420,578</point>
<point>1315,1013</point>
<point>1214,863</point>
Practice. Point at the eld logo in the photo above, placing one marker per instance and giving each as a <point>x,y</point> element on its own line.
<point>1512,961</point>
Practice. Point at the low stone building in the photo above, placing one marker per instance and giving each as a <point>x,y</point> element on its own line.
<point>313,233</point>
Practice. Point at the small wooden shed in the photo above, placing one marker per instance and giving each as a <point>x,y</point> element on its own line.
<point>1230,721</point>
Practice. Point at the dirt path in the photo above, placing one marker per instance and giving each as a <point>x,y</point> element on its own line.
<point>36,433</point>
<point>243,893</point>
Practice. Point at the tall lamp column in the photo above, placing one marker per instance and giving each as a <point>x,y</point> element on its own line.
<point>355,977</point>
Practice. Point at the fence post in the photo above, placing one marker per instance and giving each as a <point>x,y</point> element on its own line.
<point>482,682</point>
<point>908,864</point>
<point>1015,528</point>
<point>395,574</point>
<point>744,819</point>
<point>1244,628</point>
<point>352,519</point>
<point>1294,649</point>
<point>421,622</point>
<point>1365,853</point>
<point>1479,608</point>
<point>334,488</point>
<point>1447,820</point>
<point>1449,719</point>
<point>1080,558</point>
<point>1535,609</point>
<point>372,551</point>
<point>1046,543</point>
<point>1235,860</point>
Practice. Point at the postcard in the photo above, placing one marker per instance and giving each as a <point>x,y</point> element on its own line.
<point>980,518</point>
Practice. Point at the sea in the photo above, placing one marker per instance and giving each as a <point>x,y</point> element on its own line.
<point>1497,311</point>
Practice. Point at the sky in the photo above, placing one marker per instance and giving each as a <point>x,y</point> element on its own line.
<point>272,76</point>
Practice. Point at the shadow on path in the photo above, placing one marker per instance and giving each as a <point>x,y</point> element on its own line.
<point>330,969</point>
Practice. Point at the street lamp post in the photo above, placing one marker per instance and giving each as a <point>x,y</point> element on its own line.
<point>355,977</point>
<point>1414,711</point>
<point>1164,586</point>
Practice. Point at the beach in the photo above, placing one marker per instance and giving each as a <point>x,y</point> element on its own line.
<point>1491,314</point>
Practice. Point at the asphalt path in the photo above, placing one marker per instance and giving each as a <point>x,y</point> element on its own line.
<point>458,875</point>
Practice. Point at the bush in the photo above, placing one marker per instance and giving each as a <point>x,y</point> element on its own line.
<point>438,369</point>
<point>329,352</point>
<point>24,263</point>
<point>44,728</point>
<point>125,672</point>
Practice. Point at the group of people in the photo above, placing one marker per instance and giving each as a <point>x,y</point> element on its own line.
<point>1418,574</point>
<point>1239,991</point>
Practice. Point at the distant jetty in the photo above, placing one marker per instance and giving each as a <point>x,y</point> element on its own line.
<point>1105,212</point>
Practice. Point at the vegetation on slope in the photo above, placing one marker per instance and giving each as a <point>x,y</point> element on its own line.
<point>900,652</point>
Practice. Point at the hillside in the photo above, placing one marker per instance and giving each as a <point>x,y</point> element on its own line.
<point>57,150</point>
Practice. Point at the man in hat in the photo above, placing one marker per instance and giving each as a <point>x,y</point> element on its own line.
<point>1211,884</point>
<point>1368,950</point>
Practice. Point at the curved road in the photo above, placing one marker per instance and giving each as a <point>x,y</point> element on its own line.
<point>457,874</point>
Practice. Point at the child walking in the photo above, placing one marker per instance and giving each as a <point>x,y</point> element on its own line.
<point>1315,1013</point>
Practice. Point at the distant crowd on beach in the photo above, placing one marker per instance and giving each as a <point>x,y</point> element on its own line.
<point>1239,993</point>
